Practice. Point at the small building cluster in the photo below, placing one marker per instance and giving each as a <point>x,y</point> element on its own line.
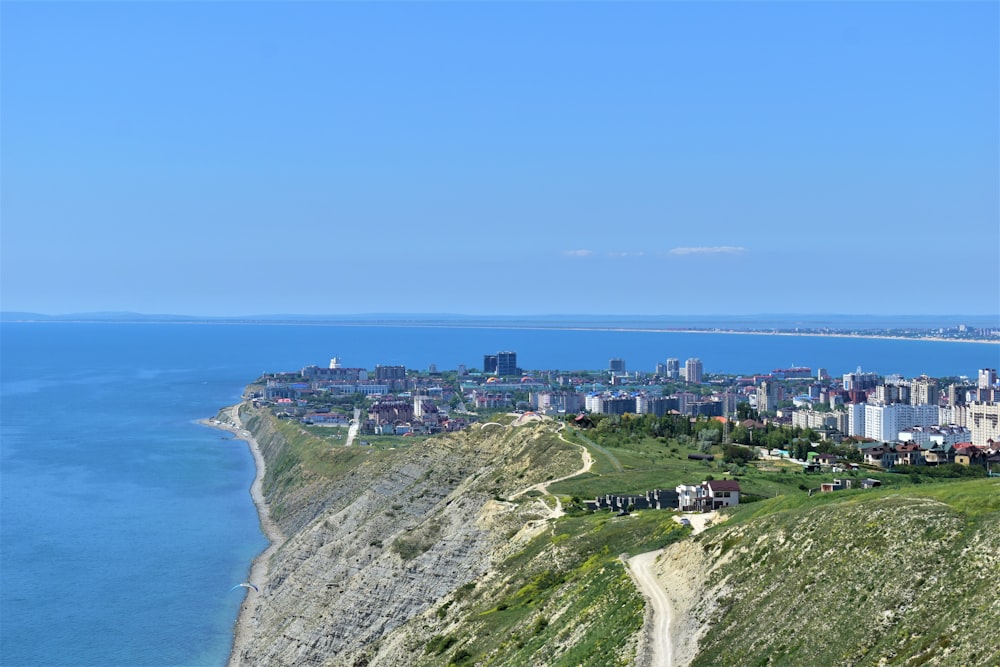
<point>710,495</point>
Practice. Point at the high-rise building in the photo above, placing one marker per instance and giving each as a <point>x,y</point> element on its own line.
<point>984,422</point>
<point>884,422</point>
<point>673,368</point>
<point>390,372</point>
<point>692,370</point>
<point>489,363</point>
<point>507,364</point>
<point>892,393</point>
<point>617,366</point>
<point>860,380</point>
<point>987,378</point>
<point>924,391</point>
<point>956,394</point>
<point>769,394</point>
<point>655,405</point>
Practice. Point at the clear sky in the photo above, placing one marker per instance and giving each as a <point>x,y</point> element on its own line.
<point>511,158</point>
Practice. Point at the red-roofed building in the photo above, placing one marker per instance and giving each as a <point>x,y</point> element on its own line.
<point>710,495</point>
<point>722,493</point>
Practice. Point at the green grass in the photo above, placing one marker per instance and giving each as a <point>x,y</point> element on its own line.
<point>648,463</point>
<point>333,433</point>
<point>816,581</point>
<point>306,452</point>
<point>557,583</point>
<point>972,498</point>
<point>388,441</point>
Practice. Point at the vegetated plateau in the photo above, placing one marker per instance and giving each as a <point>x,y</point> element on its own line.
<point>423,554</point>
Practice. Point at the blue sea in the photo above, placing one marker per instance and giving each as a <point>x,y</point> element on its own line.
<point>125,523</point>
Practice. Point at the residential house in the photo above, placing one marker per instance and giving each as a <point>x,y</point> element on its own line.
<point>967,454</point>
<point>722,493</point>
<point>835,485</point>
<point>826,459</point>
<point>709,495</point>
<point>909,454</point>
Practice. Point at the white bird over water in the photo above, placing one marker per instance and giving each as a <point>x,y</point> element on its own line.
<point>244,585</point>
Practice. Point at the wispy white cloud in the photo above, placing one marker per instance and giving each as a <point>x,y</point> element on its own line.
<point>578,253</point>
<point>709,250</point>
<point>625,254</point>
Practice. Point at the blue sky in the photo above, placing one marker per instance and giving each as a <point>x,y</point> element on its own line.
<point>513,158</point>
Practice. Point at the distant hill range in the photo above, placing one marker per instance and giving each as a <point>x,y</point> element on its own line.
<point>764,321</point>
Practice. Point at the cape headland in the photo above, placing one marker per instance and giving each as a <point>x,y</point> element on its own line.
<point>460,549</point>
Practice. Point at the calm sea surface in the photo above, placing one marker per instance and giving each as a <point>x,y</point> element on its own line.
<point>125,524</point>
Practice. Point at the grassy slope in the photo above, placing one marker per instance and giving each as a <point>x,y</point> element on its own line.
<point>858,578</point>
<point>565,599</point>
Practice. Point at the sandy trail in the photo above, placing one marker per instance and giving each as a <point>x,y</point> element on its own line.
<point>643,571</point>
<point>652,585</point>
<point>352,431</point>
<point>543,487</point>
<point>258,570</point>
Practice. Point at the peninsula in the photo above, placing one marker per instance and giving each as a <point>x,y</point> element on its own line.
<point>456,531</point>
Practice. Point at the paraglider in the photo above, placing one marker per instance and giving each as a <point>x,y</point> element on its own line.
<point>244,585</point>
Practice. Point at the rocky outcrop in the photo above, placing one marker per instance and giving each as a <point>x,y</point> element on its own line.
<point>376,546</point>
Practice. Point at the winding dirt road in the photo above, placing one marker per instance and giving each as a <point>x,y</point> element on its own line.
<point>643,571</point>
<point>543,487</point>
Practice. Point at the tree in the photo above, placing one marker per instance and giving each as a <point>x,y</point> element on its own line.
<point>744,411</point>
<point>709,435</point>
<point>801,449</point>
<point>738,455</point>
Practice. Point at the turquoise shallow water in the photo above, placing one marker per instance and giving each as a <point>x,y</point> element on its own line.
<point>125,524</point>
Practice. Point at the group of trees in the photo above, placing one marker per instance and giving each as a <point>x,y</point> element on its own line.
<point>667,426</point>
<point>704,433</point>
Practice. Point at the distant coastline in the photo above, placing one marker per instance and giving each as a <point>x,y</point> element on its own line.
<point>597,323</point>
<point>258,574</point>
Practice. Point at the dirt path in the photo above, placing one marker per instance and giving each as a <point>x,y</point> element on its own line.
<point>643,570</point>
<point>352,430</point>
<point>615,463</point>
<point>543,487</point>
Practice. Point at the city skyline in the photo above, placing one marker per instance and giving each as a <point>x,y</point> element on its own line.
<point>519,159</point>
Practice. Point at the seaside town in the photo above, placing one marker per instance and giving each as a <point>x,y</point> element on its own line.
<point>858,421</point>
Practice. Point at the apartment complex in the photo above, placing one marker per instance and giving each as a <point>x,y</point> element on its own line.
<point>692,370</point>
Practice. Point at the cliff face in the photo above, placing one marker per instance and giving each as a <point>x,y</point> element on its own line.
<point>373,547</point>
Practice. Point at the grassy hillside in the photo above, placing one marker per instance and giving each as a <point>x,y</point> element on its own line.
<point>857,578</point>
<point>563,599</point>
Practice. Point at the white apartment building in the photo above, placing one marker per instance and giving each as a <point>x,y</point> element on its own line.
<point>814,419</point>
<point>883,423</point>
<point>987,378</point>
<point>984,422</point>
<point>935,436</point>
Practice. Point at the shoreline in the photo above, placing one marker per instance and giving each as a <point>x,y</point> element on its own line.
<point>529,326</point>
<point>259,567</point>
